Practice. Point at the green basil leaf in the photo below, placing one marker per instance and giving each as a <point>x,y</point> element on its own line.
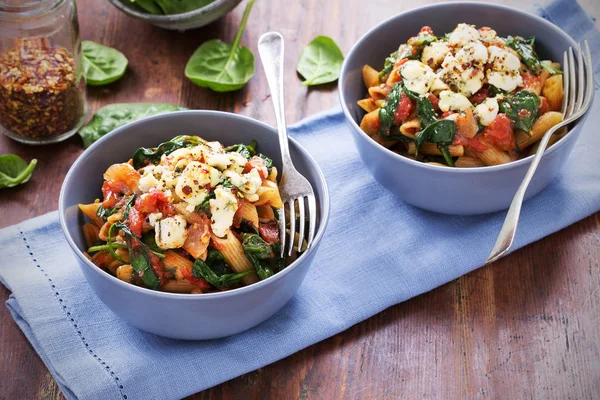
<point>112,116</point>
<point>524,48</point>
<point>320,61</point>
<point>14,170</point>
<point>222,67</point>
<point>522,107</point>
<point>101,64</point>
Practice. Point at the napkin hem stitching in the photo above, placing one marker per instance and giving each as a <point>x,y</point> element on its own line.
<point>69,316</point>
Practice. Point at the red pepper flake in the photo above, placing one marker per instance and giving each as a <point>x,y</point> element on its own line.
<point>186,190</point>
<point>40,93</point>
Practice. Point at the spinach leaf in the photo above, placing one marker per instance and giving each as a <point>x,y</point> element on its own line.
<point>149,239</point>
<point>418,43</point>
<point>246,150</point>
<point>260,254</point>
<point>388,111</point>
<point>495,91</point>
<point>167,7</point>
<point>101,64</point>
<point>425,110</point>
<point>268,162</point>
<point>104,213</point>
<point>127,207</point>
<point>200,269</point>
<point>320,61</point>
<point>217,262</point>
<point>205,205</point>
<point>440,132</point>
<point>547,65</point>
<point>522,107</point>
<point>140,258</point>
<point>524,48</point>
<point>144,156</point>
<point>113,116</point>
<point>14,171</point>
<point>388,66</point>
<point>220,66</point>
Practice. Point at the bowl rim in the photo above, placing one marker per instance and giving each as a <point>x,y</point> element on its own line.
<point>474,170</point>
<point>170,17</point>
<point>62,209</point>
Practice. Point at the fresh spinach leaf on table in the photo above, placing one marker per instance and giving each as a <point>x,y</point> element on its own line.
<point>220,66</point>
<point>522,107</point>
<point>113,116</point>
<point>320,61</point>
<point>167,7</point>
<point>101,64</point>
<point>14,170</point>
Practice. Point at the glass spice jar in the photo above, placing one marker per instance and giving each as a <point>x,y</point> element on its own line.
<point>42,88</point>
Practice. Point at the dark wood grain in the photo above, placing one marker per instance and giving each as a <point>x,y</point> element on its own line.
<point>524,327</point>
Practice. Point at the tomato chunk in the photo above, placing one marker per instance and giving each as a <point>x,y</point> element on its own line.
<point>544,107</point>
<point>405,107</point>
<point>187,274</point>
<point>500,133</point>
<point>135,220</point>
<point>154,201</point>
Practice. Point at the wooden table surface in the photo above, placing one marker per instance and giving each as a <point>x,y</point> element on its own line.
<point>524,327</point>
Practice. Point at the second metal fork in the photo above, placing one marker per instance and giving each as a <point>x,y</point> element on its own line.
<point>293,187</point>
<point>578,93</point>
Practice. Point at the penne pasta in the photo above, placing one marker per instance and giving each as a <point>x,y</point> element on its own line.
<point>90,211</point>
<point>431,149</point>
<point>370,76</point>
<point>469,162</point>
<point>545,122</point>
<point>494,156</point>
<point>232,250</point>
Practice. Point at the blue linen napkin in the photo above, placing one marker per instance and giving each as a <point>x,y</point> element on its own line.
<point>92,354</point>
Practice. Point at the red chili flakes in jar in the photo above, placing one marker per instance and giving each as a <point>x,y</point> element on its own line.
<point>41,96</point>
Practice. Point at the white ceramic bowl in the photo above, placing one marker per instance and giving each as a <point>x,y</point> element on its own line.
<point>446,190</point>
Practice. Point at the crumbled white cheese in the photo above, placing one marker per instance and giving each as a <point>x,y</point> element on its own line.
<point>487,34</point>
<point>417,76</point>
<point>462,35</point>
<point>148,180</point>
<point>434,53</point>
<point>453,117</point>
<point>215,176</point>
<point>487,111</point>
<point>222,208</point>
<point>153,218</point>
<point>190,185</point>
<point>474,54</point>
<point>505,69</point>
<point>467,81</point>
<point>218,160</point>
<point>453,101</point>
<point>246,183</point>
<point>170,233</point>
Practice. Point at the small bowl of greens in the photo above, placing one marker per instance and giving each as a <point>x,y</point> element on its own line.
<point>176,14</point>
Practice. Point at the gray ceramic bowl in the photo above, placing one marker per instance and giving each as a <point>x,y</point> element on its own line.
<point>450,190</point>
<point>184,21</point>
<point>186,316</point>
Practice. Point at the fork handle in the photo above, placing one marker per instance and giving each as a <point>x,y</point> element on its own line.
<point>270,48</point>
<point>507,234</point>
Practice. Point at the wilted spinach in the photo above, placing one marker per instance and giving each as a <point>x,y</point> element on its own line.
<point>247,150</point>
<point>425,110</point>
<point>144,156</point>
<point>140,258</point>
<point>260,254</point>
<point>522,107</point>
<point>547,65</point>
<point>101,64</point>
<point>388,66</point>
<point>201,269</point>
<point>388,111</point>
<point>113,116</point>
<point>440,132</point>
<point>14,170</point>
<point>524,48</point>
<point>320,61</point>
<point>220,66</point>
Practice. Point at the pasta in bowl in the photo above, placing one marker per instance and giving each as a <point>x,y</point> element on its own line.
<point>469,98</point>
<point>182,285</point>
<point>188,216</point>
<point>442,145</point>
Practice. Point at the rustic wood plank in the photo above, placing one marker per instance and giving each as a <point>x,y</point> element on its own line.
<point>525,327</point>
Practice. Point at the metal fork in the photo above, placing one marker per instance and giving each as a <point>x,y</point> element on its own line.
<point>293,187</point>
<point>578,92</point>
